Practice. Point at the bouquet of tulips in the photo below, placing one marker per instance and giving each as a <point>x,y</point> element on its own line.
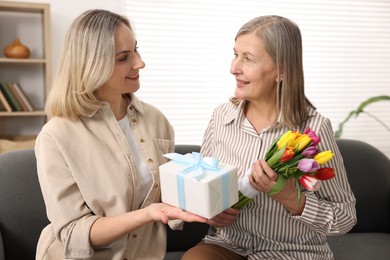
<point>292,155</point>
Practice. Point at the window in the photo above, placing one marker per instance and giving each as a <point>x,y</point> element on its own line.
<point>187,46</point>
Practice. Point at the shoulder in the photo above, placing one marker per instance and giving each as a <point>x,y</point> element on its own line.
<point>59,127</point>
<point>317,122</point>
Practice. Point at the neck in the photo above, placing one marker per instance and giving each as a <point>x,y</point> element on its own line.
<point>260,115</point>
<point>119,107</point>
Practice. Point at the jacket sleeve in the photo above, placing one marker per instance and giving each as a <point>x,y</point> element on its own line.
<point>65,206</point>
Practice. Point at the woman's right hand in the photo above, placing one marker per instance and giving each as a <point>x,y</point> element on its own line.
<point>164,212</point>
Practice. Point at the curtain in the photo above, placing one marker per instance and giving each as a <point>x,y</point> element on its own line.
<point>187,46</point>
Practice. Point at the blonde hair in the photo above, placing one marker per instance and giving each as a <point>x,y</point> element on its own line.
<point>86,63</point>
<point>283,42</point>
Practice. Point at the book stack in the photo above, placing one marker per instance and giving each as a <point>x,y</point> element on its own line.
<point>13,99</point>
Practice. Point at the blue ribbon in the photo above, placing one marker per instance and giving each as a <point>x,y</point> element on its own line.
<point>196,165</point>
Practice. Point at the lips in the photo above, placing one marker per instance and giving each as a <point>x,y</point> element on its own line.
<point>135,77</point>
<point>241,83</point>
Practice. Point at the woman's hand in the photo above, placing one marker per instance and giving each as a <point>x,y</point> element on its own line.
<point>224,218</point>
<point>263,178</point>
<point>164,212</point>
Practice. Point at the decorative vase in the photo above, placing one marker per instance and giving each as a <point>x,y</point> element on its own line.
<point>17,50</point>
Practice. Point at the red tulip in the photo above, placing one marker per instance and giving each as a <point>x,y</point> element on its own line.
<point>325,173</point>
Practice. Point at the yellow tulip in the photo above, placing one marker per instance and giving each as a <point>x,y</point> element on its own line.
<point>324,156</point>
<point>286,139</point>
<point>301,142</point>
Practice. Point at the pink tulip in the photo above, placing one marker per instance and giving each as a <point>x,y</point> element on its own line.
<point>316,139</point>
<point>308,165</point>
<point>309,182</point>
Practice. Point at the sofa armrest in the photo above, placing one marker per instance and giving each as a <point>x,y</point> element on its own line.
<point>2,256</point>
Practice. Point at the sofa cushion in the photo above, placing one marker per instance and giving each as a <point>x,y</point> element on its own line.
<point>354,246</point>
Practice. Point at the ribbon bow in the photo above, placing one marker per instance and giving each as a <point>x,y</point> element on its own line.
<point>196,164</point>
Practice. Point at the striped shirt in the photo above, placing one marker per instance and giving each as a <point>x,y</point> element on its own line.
<point>264,228</point>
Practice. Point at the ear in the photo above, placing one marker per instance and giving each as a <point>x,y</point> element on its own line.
<point>281,77</point>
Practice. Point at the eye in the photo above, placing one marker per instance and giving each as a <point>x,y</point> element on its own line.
<point>246,58</point>
<point>124,58</point>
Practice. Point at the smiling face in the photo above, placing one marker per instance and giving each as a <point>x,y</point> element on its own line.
<point>254,70</point>
<point>128,62</point>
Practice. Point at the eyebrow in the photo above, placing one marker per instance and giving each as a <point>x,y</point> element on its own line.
<point>125,51</point>
<point>245,53</point>
<point>122,52</point>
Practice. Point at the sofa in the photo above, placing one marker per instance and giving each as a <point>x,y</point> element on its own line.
<point>22,210</point>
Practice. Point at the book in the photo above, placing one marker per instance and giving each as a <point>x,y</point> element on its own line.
<point>4,101</point>
<point>2,108</point>
<point>23,96</point>
<point>8,99</point>
<point>18,96</point>
<point>11,96</point>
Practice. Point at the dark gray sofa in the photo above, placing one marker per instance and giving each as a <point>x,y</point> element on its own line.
<point>22,210</point>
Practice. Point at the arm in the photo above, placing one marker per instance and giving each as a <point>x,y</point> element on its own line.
<point>108,229</point>
<point>74,223</point>
<point>332,208</point>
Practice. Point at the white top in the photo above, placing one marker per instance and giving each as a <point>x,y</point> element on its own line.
<point>145,177</point>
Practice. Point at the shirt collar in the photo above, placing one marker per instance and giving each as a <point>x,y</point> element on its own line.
<point>236,114</point>
<point>133,102</point>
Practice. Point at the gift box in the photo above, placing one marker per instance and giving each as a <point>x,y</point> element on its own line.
<point>201,185</point>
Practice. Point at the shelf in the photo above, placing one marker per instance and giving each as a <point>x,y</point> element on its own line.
<point>31,23</point>
<point>32,113</point>
<point>29,60</point>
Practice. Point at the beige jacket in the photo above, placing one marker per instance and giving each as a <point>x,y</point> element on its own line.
<point>86,170</point>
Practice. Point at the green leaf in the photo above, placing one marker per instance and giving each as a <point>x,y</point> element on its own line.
<point>276,157</point>
<point>360,109</point>
<point>278,186</point>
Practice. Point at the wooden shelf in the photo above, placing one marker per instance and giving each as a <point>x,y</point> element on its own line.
<point>30,21</point>
<point>9,60</point>
<point>32,113</point>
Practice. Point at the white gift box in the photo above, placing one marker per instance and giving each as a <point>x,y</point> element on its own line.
<point>203,186</point>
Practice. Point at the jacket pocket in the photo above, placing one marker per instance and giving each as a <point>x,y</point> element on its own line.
<point>163,146</point>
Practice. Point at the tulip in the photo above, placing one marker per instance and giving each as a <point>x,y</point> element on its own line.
<point>323,157</point>
<point>301,142</point>
<point>287,155</point>
<point>286,139</point>
<point>316,139</point>
<point>324,173</point>
<point>308,165</point>
<point>310,151</point>
<point>309,182</point>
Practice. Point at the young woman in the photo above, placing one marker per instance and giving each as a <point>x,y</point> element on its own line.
<point>99,154</point>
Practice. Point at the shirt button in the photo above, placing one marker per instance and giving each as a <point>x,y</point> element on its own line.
<point>133,120</point>
<point>131,108</point>
<point>150,160</point>
<point>155,185</point>
<point>134,235</point>
<point>141,140</point>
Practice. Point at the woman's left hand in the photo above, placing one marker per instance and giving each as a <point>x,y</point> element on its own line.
<point>224,218</point>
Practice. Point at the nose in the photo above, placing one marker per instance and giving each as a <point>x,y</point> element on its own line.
<point>235,67</point>
<point>138,63</point>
